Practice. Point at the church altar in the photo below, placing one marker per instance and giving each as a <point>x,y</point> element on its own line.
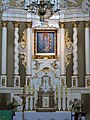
<point>41,56</point>
<point>60,115</point>
<point>63,115</point>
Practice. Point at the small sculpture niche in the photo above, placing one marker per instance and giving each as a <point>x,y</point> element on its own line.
<point>46,83</point>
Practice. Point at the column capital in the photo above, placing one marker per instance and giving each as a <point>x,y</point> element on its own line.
<point>75,24</point>
<point>87,74</point>
<point>29,24</point>
<point>4,23</point>
<point>61,24</point>
<point>29,75</point>
<point>75,74</point>
<point>16,24</point>
<point>87,24</point>
<point>62,75</point>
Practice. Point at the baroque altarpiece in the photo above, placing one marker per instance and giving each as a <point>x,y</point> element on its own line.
<point>45,50</point>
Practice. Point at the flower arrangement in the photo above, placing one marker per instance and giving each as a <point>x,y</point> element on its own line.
<point>75,105</point>
<point>11,105</point>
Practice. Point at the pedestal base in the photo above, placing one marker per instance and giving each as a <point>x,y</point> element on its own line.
<point>3,81</point>
<point>63,80</point>
<point>74,81</point>
<point>16,81</point>
<point>28,80</point>
<point>87,81</point>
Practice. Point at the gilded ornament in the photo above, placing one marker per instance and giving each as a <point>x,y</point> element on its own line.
<point>29,24</point>
<point>87,24</point>
<point>54,64</point>
<point>4,23</point>
<point>62,25</point>
<point>23,40</point>
<point>75,24</point>
<point>46,69</point>
<point>16,24</point>
<point>68,48</point>
<point>46,50</point>
<point>37,64</point>
<point>23,58</point>
<point>22,48</point>
<point>68,58</point>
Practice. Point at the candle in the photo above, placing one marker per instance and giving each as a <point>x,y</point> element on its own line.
<point>33,90</point>
<point>29,88</point>
<point>56,91</point>
<point>24,87</point>
<point>61,91</point>
<point>66,91</point>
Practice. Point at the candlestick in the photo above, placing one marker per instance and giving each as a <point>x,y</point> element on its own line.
<point>29,103</point>
<point>61,104</point>
<point>33,104</point>
<point>56,91</point>
<point>66,91</point>
<point>57,103</point>
<point>61,94</point>
<point>61,91</point>
<point>33,90</point>
<point>24,88</point>
<point>66,104</point>
<point>29,87</point>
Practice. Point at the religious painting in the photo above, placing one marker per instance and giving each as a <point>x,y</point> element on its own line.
<point>45,42</point>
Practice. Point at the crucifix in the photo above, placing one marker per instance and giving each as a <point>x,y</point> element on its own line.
<point>23,97</point>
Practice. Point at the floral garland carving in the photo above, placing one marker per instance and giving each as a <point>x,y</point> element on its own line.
<point>68,48</point>
<point>22,48</point>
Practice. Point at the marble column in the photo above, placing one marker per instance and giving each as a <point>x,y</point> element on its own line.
<point>62,63</point>
<point>62,54</point>
<point>29,52</point>
<point>87,53</point>
<point>3,81</point>
<point>16,55</point>
<point>75,56</point>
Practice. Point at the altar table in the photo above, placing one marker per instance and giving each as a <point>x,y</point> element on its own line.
<point>64,115</point>
<point>5,114</point>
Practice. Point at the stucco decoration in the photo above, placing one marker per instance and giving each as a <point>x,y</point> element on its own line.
<point>86,6</point>
<point>68,48</point>
<point>22,48</point>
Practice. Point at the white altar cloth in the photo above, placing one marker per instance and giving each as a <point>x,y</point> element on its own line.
<point>63,115</point>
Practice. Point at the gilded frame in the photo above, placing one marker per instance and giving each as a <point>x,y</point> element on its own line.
<point>45,43</point>
<point>45,103</point>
